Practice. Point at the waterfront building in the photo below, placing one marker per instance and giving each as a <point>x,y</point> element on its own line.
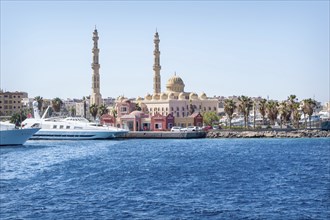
<point>11,102</point>
<point>80,109</point>
<point>96,97</point>
<point>174,101</point>
<point>162,110</point>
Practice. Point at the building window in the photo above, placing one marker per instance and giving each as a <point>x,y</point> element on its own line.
<point>182,114</point>
<point>209,108</point>
<point>215,108</point>
<point>123,109</point>
<point>204,108</point>
<point>177,114</point>
<point>177,108</point>
<point>182,108</point>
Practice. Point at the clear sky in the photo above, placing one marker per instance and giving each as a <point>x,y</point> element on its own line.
<point>222,48</point>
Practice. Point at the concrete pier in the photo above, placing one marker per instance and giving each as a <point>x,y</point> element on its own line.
<point>164,135</point>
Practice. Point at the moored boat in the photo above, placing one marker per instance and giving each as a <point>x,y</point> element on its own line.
<point>12,135</point>
<point>70,128</point>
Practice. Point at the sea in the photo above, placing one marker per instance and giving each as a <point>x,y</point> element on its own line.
<point>166,179</point>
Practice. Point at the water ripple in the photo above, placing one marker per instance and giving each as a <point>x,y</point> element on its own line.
<point>166,179</point>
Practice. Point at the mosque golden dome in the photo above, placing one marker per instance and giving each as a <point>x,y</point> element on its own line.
<point>175,84</point>
<point>203,96</point>
<point>171,95</point>
<point>182,96</point>
<point>193,96</point>
<point>155,96</point>
<point>163,96</point>
<point>148,97</point>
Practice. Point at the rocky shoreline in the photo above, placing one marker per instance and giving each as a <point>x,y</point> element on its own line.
<point>268,134</point>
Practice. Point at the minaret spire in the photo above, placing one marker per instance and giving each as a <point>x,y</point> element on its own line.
<point>96,97</point>
<point>156,66</point>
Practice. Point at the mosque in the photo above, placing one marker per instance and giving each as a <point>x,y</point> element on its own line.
<point>162,110</point>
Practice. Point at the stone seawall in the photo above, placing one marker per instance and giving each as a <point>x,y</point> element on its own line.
<point>163,135</point>
<point>268,134</point>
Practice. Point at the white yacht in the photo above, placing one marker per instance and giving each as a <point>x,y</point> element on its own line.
<point>12,135</point>
<point>71,128</point>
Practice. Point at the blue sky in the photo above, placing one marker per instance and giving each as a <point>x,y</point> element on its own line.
<point>255,48</point>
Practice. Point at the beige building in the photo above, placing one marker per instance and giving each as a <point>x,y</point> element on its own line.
<point>174,100</point>
<point>11,102</point>
<point>96,97</point>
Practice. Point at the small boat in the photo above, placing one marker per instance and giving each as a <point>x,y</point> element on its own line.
<point>70,128</point>
<point>12,135</point>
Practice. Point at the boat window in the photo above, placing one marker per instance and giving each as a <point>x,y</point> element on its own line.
<point>61,126</point>
<point>54,126</point>
<point>67,127</point>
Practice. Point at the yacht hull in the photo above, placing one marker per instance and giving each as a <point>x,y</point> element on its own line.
<point>53,134</point>
<point>16,136</point>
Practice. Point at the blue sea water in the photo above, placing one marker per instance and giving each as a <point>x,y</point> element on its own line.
<point>166,179</point>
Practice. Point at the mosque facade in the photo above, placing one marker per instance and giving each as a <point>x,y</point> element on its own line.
<point>186,108</point>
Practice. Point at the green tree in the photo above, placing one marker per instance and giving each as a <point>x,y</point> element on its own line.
<point>291,102</point>
<point>17,118</point>
<point>272,111</point>
<point>296,114</point>
<point>283,111</point>
<point>262,109</point>
<point>229,108</point>
<point>103,110</point>
<point>85,106</point>
<point>307,107</point>
<point>73,111</point>
<point>114,114</point>
<point>210,117</point>
<point>244,106</point>
<point>137,107</point>
<point>57,104</point>
<point>40,101</point>
<point>93,109</point>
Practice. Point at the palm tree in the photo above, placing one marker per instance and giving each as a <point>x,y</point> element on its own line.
<point>93,109</point>
<point>229,109</point>
<point>40,101</point>
<point>271,108</point>
<point>103,110</point>
<point>296,114</point>
<point>85,106</point>
<point>244,107</point>
<point>73,111</point>
<point>308,106</point>
<point>262,109</point>
<point>283,111</point>
<point>56,104</point>
<point>137,107</point>
<point>292,100</point>
<point>114,114</point>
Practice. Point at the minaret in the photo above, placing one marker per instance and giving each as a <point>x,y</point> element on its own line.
<point>96,97</point>
<point>156,66</point>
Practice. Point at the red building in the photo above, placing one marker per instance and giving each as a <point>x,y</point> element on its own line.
<point>198,119</point>
<point>107,119</point>
<point>162,123</point>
